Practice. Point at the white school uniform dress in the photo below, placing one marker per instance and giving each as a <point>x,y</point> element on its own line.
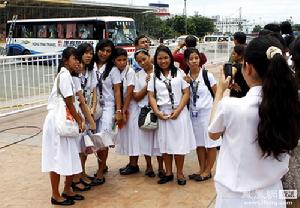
<point>85,82</point>
<point>148,144</point>
<point>59,154</point>
<point>106,123</point>
<point>200,111</point>
<point>243,177</point>
<point>174,136</point>
<point>127,139</point>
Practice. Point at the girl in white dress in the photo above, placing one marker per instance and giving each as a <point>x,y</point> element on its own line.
<point>109,97</point>
<point>201,101</point>
<point>60,154</point>
<point>175,132</point>
<point>146,142</point>
<point>127,138</point>
<point>259,130</point>
<point>86,82</point>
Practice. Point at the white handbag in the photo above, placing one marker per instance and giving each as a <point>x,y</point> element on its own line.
<point>65,124</point>
<point>98,112</point>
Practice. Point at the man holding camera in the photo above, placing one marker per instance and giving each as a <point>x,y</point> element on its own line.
<point>189,42</point>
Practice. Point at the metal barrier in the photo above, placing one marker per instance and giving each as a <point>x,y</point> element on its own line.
<point>216,52</point>
<point>26,81</point>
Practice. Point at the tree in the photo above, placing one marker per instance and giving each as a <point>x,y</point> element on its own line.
<point>296,27</point>
<point>257,28</point>
<point>199,25</point>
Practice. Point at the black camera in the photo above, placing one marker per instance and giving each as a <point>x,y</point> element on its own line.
<point>227,68</point>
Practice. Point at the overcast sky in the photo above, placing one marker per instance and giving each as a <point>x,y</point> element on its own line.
<point>258,11</point>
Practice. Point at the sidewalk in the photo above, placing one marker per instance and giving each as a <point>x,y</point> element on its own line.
<point>23,184</point>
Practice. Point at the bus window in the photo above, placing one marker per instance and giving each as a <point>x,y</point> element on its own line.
<point>27,31</point>
<point>42,31</point>
<point>61,31</point>
<point>85,31</point>
<point>52,31</point>
<point>121,32</point>
<point>71,31</point>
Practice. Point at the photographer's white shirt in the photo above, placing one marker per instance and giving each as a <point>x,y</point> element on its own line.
<point>241,166</point>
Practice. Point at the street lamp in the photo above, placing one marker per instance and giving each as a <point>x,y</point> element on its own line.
<point>185,15</point>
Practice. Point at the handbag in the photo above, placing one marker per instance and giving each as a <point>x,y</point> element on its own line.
<point>65,124</point>
<point>147,119</point>
<point>99,111</point>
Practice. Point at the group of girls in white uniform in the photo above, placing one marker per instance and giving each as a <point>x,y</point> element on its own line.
<point>122,93</point>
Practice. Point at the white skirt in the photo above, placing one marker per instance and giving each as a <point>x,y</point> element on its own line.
<point>200,121</point>
<point>127,137</point>
<point>268,197</point>
<point>175,136</point>
<point>59,154</point>
<point>132,140</point>
<point>105,128</point>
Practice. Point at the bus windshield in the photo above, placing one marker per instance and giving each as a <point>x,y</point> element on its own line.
<point>122,33</point>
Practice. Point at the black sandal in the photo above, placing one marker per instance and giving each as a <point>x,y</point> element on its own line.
<point>76,188</point>
<point>150,173</point>
<point>202,178</point>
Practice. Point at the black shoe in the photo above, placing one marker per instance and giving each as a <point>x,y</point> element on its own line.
<point>66,202</point>
<point>75,197</point>
<point>193,176</point>
<point>91,177</point>
<point>130,170</point>
<point>98,181</point>
<point>85,183</point>
<point>161,173</point>
<point>202,178</point>
<point>150,174</point>
<point>181,181</point>
<point>122,169</point>
<point>76,188</point>
<point>166,179</point>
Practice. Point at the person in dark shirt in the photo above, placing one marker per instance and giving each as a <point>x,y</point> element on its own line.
<point>190,42</point>
<point>239,87</point>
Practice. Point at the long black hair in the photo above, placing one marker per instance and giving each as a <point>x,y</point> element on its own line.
<point>295,52</point>
<point>67,52</point>
<point>109,63</point>
<point>279,111</point>
<point>85,48</point>
<point>172,67</point>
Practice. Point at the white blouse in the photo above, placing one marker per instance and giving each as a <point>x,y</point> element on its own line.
<point>127,77</point>
<point>241,166</point>
<point>113,77</point>
<point>66,86</point>
<point>204,100</point>
<point>162,95</point>
<point>139,84</point>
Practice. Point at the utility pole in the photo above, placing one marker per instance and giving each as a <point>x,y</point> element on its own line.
<point>185,16</point>
<point>240,26</point>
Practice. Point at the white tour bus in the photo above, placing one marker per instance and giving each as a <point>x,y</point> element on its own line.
<point>32,36</point>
